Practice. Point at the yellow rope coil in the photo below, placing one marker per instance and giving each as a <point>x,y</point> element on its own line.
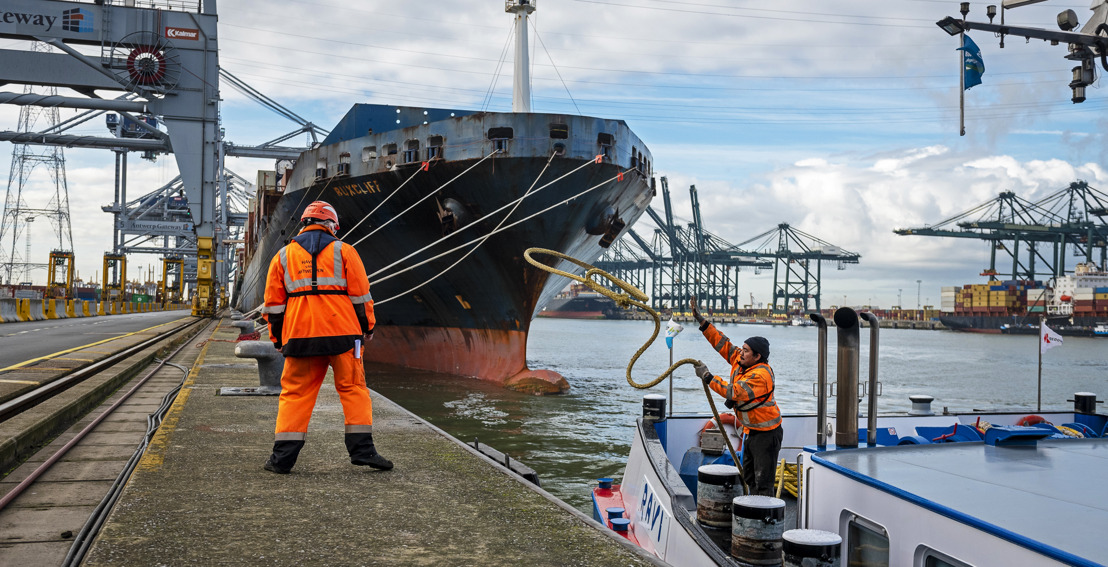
<point>787,479</point>
<point>632,296</point>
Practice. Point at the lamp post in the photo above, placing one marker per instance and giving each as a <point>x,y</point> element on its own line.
<point>918,282</point>
<point>898,303</point>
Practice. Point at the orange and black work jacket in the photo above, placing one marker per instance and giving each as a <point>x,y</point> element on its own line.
<point>750,388</point>
<point>317,296</point>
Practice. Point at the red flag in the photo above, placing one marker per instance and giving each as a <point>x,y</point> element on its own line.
<point>425,165</point>
<point>619,176</point>
<point>599,158</point>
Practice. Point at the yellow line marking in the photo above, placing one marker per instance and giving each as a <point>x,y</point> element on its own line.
<point>20,382</point>
<point>59,353</point>
<point>154,456</point>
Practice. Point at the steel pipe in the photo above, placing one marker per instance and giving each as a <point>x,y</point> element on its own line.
<point>871,407</point>
<point>821,374</point>
<point>846,414</point>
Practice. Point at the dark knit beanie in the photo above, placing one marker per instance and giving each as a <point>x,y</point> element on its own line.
<point>760,346</point>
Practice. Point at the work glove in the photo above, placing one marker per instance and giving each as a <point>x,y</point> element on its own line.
<point>703,373</point>
<point>696,312</point>
<point>729,404</point>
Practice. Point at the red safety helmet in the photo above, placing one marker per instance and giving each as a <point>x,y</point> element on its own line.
<point>321,210</point>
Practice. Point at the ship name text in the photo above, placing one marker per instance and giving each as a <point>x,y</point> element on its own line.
<point>354,189</point>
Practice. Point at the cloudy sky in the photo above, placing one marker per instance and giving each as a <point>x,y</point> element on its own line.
<point>839,118</point>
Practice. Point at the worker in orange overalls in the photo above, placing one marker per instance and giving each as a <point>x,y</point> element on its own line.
<point>320,314</point>
<point>750,393</point>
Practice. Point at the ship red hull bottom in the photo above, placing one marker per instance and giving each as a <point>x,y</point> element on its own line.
<point>493,355</point>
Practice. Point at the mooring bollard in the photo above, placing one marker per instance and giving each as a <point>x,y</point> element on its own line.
<point>756,529</point>
<point>716,488</point>
<point>246,330</point>
<point>811,548</point>
<point>270,365</point>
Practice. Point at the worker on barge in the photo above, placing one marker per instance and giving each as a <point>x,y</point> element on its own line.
<point>749,391</point>
<point>320,315</point>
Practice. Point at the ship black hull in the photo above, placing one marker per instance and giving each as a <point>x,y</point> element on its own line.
<point>580,308</point>
<point>447,298</point>
<point>1076,326</point>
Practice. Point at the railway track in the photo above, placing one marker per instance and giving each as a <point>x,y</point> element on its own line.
<point>68,444</point>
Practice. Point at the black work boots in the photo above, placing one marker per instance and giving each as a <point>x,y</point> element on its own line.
<point>284,456</point>
<point>362,452</point>
<point>360,446</point>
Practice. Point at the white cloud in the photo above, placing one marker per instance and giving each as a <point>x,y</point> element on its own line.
<point>841,121</point>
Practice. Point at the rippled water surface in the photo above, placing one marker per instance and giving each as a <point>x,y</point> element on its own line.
<point>575,438</point>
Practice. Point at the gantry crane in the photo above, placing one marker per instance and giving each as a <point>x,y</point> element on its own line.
<point>794,252</point>
<point>1072,217</point>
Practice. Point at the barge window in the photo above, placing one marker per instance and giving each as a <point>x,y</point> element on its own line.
<point>344,164</point>
<point>320,168</point>
<point>390,149</point>
<point>559,131</point>
<point>927,557</point>
<point>634,164</point>
<point>867,544</point>
<point>369,153</point>
<point>434,147</point>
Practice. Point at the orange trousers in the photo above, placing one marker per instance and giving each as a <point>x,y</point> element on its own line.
<point>300,384</point>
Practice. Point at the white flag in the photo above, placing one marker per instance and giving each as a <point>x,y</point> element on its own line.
<point>1049,339</point>
<point>673,328</point>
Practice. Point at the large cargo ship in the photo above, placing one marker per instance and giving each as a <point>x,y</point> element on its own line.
<point>441,204</point>
<point>579,302</point>
<point>1073,305</point>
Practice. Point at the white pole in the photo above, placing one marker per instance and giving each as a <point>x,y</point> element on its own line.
<point>671,383</point>
<point>1040,404</point>
<point>521,84</point>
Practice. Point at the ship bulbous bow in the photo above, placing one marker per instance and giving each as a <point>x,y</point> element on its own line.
<point>494,355</point>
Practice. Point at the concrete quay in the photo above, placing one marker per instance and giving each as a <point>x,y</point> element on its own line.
<point>199,496</point>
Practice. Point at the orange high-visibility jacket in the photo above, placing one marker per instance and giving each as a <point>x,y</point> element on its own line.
<point>750,388</point>
<point>317,298</point>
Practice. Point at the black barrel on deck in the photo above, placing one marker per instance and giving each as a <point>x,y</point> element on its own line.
<point>756,528</point>
<point>811,548</point>
<point>716,489</point>
<point>654,407</point>
<point>1084,402</point>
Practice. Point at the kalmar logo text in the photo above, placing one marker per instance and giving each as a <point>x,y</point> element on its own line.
<point>182,33</point>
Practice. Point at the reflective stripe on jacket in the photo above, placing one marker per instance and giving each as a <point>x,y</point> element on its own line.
<point>750,388</point>
<point>312,288</point>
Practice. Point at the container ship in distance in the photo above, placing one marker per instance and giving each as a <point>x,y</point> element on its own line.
<point>441,205</point>
<point>1073,305</point>
<point>579,302</point>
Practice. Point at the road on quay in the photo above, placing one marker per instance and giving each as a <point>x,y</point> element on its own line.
<point>20,342</point>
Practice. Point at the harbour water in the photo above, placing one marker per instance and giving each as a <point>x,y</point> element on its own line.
<point>573,439</point>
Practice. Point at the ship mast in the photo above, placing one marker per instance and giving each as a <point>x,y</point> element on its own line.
<point>521,83</point>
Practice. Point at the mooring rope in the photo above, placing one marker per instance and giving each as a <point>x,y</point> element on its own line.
<point>425,197</point>
<point>631,296</point>
<point>501,229</point>
<point>422,167</point>
<point>483,239</point>
<point>478,221</point>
